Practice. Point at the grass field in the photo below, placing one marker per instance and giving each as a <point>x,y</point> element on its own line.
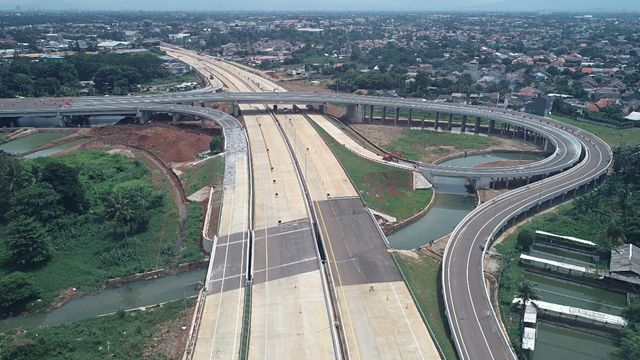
<point>132,335</point>
<point>423,277</point>
<point>612,136</point>
<point>3,137</point>
<point>383,188</point>
<point>85,252</point>
<point>192,235</point>
<point>207,173</point>
<point>413,143</point>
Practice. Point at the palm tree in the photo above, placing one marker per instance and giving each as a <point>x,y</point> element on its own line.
<point>527,291</point>
<point>120,211</point>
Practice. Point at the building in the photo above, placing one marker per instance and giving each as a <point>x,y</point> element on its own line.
<point>625,261</point>
<point>114,45</point>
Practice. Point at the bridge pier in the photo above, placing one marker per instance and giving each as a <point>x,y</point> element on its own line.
<point>370,114</point>
<point>492,126</point>
<point>384,114</point>
<point>395,121</point>
<point>354,113</point>
<point>235,109</point>
<point>422,122</point>
<point>175,117</point>
<point>143,116</point>
<point>476,128</point>
<point>449,122</point>
<point>322,108</point>
<point>437,120</point>
<point>463,127</point>
<point>410,117</point>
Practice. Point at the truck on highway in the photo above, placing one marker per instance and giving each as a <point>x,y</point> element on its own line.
<point>392,157</point>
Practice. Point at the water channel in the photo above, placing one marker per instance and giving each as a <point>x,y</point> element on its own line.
<point>559,342</point>
<point>452,203</point>
<point>129,296</point>
<point>32,142</point>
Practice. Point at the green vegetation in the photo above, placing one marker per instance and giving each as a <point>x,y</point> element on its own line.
<point>175,79</point>
<point>99,216</point>
<point>216,145</point>
<point>412,143</point>
<point>111,73</point>
<point>612,136</point>
<point>3,137</point>
<point>423,277</point>
<point>207,173</point>
<point>630,343</point>
<point>384,188</point>
<point>192,235</point>
<point>16,291</point>
<point>124,335</point>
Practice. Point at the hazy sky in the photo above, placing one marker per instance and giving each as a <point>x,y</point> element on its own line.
<point>261,5</point>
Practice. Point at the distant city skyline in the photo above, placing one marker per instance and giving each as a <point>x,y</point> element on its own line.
<point>327,5</point>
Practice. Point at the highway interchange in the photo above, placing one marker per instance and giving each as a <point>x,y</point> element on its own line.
<point>579,159</point>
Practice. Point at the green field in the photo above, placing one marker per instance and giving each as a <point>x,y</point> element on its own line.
<point>413,143</point>
<point>207,173</point>
<point>612,136</point>
<point>84,248</point>
<point>383,188</point>
<point>423,277</point>
<point>131,335</point>
<point>3,137</point>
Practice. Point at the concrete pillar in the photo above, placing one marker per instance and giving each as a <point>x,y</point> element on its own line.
<point>371,114</point>
<point>422,122</point>
<point>464,123</point>
<point>492,126</point>
<point>354,113</point>
<point>395,121</point>
<point>321,108</point>
<point>235,109</point>
<point>524,134</point>
<point>437,120</point>
<point>476,128</point>
<point>62,121</point>
<point>175,117</point>
<point>449,122</point>
<point>513,134</point>
<point>143,117</point>
<point>410,116</point>
<point>202,125</point>
<point>384,114</point>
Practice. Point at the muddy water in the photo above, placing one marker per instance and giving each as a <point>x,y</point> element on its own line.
<point>132,295</point>
<point>451,205</point>
<point>31,142</point>
<point>54,149</point>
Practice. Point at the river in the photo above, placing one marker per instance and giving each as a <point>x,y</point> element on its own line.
<point>129,296</point>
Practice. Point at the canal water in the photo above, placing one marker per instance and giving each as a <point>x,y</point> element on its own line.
<point>31,142</point>
<point>129,296</point>
<point>452,203</point>
<point>559,342</point>
<point>55,149</point>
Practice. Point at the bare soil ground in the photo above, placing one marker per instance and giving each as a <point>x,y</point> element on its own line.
<point>172,144</point>
<point>170,338</point>
<point>385,135</point>
<point>304,85</point>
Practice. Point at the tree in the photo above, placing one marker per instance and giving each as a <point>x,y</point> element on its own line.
<point>16,291</point>
<point>526,237</point>
<point>13,176</point>
<point>37,200</point>
<point>27,242</point>
<point>632,312</point>
<point>630,343</point>
<point>64,180</point>
<point>216,145</point>
<point>129,203</point>
<point>527,291</point>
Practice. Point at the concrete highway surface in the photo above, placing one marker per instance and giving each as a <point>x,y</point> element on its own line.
<point>377,317</point>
